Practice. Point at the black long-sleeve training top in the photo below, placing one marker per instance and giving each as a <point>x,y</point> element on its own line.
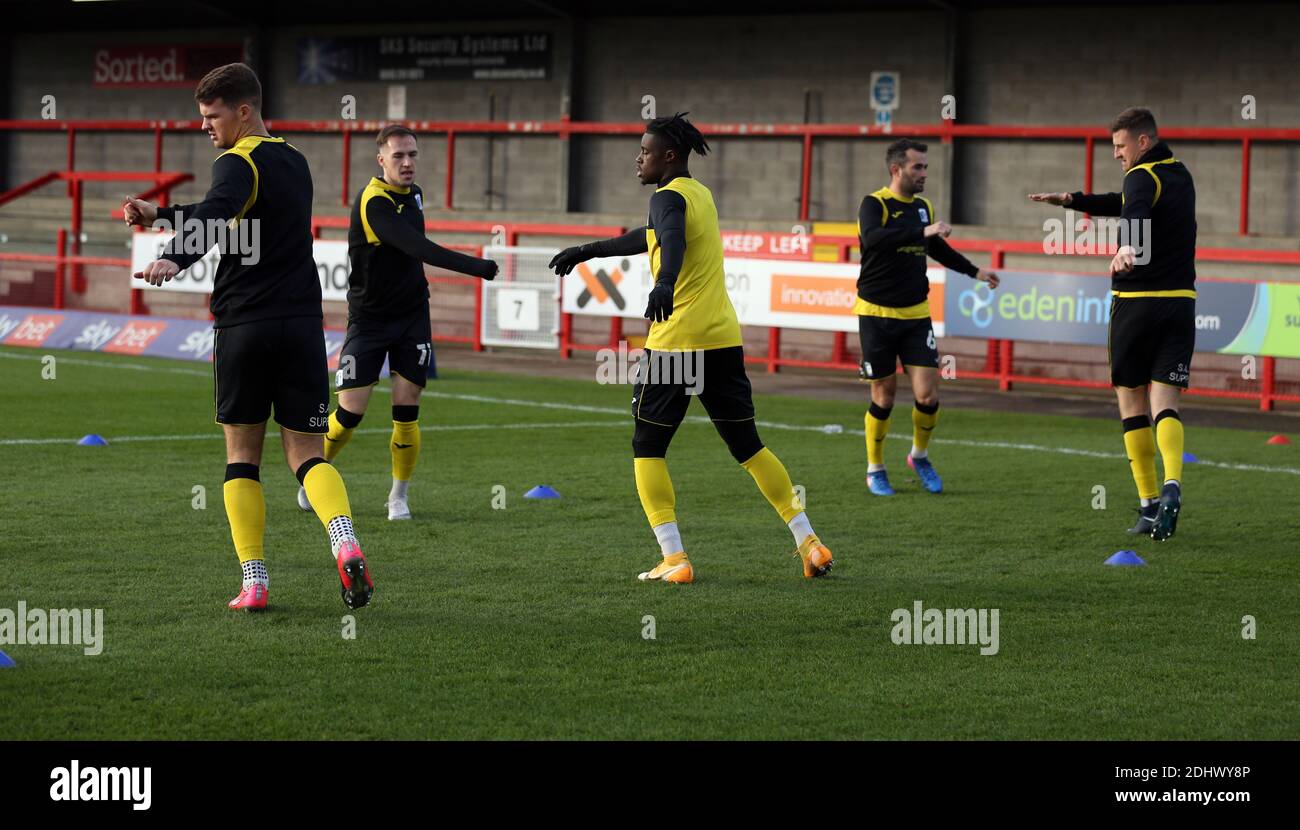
<point>891,232</point>
<point>266,183</point>
<point>388,249</point>
<point>1158,191</point>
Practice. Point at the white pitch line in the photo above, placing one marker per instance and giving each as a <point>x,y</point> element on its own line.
<point>608,410</point>
<point>212,436</point>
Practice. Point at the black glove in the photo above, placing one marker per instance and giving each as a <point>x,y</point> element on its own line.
<point>660,306</point>
<point>568,259</point>
<point>489,269</point>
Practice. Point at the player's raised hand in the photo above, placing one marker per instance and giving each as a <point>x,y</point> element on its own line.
<point>938,229</point>
<point>660,305</point>
<point>138,211</point>
<point>1058,199</point>
<point>1122,262</point>
<point>989,277</point>
<point>489,269</point>
<point>158,272</point>
<point>568,259</point>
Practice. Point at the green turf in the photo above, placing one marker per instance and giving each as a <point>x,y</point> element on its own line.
<point>527,622</point>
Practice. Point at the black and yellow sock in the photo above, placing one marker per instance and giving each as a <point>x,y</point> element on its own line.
<point>1169,437</point>
<point>342,422</point>
<point>405,442</point>
<point>245,509</point>
<point>774,482</point>
<point>325,490</point>
<point>656,490</point>
<point>877,424</point>
<point>924,419</point>
<point>1140,445</point>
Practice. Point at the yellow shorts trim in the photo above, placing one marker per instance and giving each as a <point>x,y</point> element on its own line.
<point>862,308</point>
<point>1180,292</point>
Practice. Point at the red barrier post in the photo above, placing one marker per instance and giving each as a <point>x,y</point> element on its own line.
<point>566,335</point>
<point>773,350</point>
<point>61,249</point>
<point>805,177</point>
<point>72,156</point>
<point>78,284</point>
<point>347,163</point>
<point>615,332</point>
<point>1244,227</point>
<point>1268,388</point>
<point>1006,355</point>
<point>451,169</point>
<point>1087,164</point>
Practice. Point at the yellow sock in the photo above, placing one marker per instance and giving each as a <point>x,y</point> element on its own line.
<point>246,511</point>
<point>1141,447</point>
<point>325,491</point>
<point>923,423</point>
<point>877,424</point>
<point>405,445</point>
<point>338,436</point>
<point>774,481</point>
<point>1169,436</point>
<point>656,490</point>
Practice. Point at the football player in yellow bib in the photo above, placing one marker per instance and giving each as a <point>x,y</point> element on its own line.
<point>694,347</point>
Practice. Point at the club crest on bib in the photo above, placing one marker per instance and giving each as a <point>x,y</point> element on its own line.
<point>925,216</point>
<point>419,201</point>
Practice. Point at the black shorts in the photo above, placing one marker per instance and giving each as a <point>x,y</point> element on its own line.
<point>1151,339</point>
<point>272,363</point>
<point>667,380</point>
<point>405,341</point>
<point>888,340</point>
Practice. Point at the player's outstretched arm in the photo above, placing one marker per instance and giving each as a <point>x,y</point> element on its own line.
<point>382,216</point>
<point>1098,204</point>
<point>632,242</point>
<point>668,216</point>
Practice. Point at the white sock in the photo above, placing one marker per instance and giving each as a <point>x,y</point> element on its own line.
<point>255,573</point>
<point>670,539</point>
<point>1174,482</point>
<point>1148,502</point>
<point>800,527</point>
<point>875,468</point>
<point>917,452</point>
<point>340,530</point>
<point>399,490</point>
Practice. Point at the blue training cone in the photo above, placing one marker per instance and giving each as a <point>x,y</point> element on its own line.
<point>1125,557</point>
<point>92,440</point>
<point>1188,458</point>
<point>6,662</point>
<point>541,491</point>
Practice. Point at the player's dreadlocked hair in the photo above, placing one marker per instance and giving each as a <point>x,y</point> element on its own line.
<point>680,133</point>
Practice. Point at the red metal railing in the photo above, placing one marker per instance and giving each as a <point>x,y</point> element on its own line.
<point>1000,354</point>
<point>564,129</point>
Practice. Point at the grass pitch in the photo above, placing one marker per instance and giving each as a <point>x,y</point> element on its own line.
<point>528,621</point>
